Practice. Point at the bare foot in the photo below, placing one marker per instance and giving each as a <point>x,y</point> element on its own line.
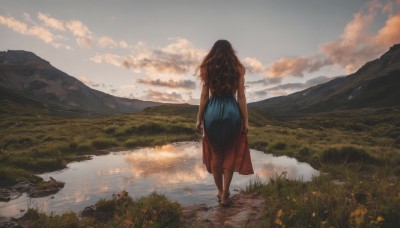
<point>225,200</point>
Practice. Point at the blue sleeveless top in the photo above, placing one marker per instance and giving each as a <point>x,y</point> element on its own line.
<point>222,119</point>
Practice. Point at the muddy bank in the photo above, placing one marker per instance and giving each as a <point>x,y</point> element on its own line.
<point>41,189</point>
<point>245,210</point>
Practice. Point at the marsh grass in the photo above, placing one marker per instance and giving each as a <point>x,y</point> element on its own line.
<point>154,210</point>
<point>47,143</point>
<point>359,158</point>
<point>357,152</point>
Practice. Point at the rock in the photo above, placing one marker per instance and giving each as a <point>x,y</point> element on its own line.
<point>88,211</point>
<point>22,186</point>
<point>5,195</point>
<point>8,223</point>
<point>46,188</point>
<point>245,210</point>
<point>190,210</point>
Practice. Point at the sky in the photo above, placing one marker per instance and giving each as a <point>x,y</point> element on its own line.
<point>150,49</point>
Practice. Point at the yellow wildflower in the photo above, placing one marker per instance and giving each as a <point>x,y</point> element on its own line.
<point>358,215</point>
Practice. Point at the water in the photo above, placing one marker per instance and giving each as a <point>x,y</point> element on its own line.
<point>175,170</point>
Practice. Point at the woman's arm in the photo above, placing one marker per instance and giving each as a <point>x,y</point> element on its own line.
<point>203,102</point>
<point>243,104</point>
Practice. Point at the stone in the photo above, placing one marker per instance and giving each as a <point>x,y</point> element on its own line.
<point>5,195</point>
<point>46,188</point>
<point>245,210</point>
<point>22,186</point>
<point>88,211</point>
<point>8,223</point>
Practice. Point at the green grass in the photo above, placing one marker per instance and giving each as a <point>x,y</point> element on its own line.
<point>39,144</point>
<point>154,210</point>
<point>359,149</point>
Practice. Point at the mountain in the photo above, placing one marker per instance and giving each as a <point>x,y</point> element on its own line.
<point>376,84</point>
<point>26,79</point>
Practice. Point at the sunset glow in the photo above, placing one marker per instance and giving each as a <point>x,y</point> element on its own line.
<point>150,50</point>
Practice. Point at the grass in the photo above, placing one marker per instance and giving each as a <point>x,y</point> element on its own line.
<point>36,144</point>
<point>359,149</point>
<point>154,210</point>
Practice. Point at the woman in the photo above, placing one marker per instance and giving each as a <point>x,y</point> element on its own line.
<point>224,119</point>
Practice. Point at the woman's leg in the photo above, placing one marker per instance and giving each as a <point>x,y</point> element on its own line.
<point>216,169</point>
<point>228,174</point>
<point>218,182</point>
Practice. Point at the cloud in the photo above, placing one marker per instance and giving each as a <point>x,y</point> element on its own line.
<point>107,58</point>
<point>88,82</point>
<point>185,84</point>
<point>78,28</point>
<point>163,96</point>
<point>106,41</point>
<point>260,93</point>
<point>317,80</point>
<point>14,24</point>
<point>123,44</point>
<point>82,32</point>
<point>294,87</point>
<point>177,58</point>
<point>352,49</point>
<point>265,81</point>
<point>294,66</point>
<point>390,33</point>
<point>288,86</point>
<point>51,22</point>
<point>36,31</point>
<point>253,65</point>
<point>22,28</point>
<point>41,33</point>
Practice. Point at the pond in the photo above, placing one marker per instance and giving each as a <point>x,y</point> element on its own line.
<point>175,170</point>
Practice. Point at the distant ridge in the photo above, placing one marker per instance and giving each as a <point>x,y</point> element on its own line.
<point>24,73</point>
<point>376,84</point>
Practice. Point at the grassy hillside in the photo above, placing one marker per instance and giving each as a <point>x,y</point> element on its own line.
<point>358,153</point>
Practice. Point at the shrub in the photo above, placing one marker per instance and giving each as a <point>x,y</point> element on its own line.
<point>103,143</point>
<point>304,151</point>
<point>110,129</point>
<point>11,175</point>
<point>154,210</point>
<point>84,146</point>
<point>138,142</point>
<point>259,145</point>
<point>344,154</point>
<point>39,164</point>
<point>151,128</point>
<point>279,146</point>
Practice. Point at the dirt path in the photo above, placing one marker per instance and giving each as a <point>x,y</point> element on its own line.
<point>245,210</point>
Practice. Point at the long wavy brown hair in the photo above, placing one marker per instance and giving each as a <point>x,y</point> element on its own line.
<point>221,69</point>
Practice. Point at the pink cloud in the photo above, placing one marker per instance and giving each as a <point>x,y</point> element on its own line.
<point>185,84</point>
<point>41,33</point>
<point>177,58</point>
<point>164,96</point>
<point>294,66</point>
<point>253,64</point>
<point>82,32</point>
<point>51,22</point>
<point>22,28</point>
<point>390,33</point>
<point>106,41</point>
<point>353,48</point>
<point>14,24</point>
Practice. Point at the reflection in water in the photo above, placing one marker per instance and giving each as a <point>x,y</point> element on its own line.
<point>175,170</point>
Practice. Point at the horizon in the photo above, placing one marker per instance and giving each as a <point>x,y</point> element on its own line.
<point>157,63</point>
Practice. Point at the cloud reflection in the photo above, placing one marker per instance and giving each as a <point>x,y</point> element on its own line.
<point>175,170</point>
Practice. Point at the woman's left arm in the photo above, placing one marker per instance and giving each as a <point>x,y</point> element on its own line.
<point>203,102</point>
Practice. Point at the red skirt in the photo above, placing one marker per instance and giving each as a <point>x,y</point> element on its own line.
<point>234,157</point>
